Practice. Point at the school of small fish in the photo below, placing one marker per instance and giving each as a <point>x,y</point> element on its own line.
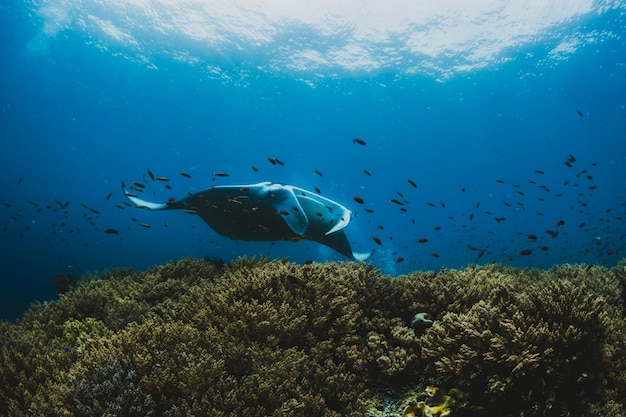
<point>469,219</point>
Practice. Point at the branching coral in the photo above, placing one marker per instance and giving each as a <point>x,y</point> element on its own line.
<point>542,339</point>
<point>260,337</point>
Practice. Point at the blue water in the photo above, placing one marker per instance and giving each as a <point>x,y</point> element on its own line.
<point>83,110</point>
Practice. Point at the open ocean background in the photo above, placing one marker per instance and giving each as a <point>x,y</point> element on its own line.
<point>482,104</point>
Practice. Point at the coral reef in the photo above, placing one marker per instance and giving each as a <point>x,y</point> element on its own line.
<point>260,337</point>
<point>65,282</point>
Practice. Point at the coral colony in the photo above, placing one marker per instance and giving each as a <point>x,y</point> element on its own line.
<point>272,338</point>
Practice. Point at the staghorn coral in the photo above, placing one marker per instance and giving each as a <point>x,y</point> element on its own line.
<point>539,335</point>
<point>260,337</point>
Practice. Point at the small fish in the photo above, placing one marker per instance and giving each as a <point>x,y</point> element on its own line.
<point>108,197</point>
<point>525,252</point>
<point>366,172</point>
<point>279,162</point>
<point>377,240</point>
<point>552,233</point>
<point>579,112</point>
<point>221,174</point>
<point>112,232</point>
<point>317,190</point>
<point>255,169</point>
<point>544,247</point>
<point>538,171</point>
<point>152,177</point>
<point>359,141</point>
<point>368,210</point>
<point>571,158</point>
<point>422,240</point>
<point>318,172</point>
<point>138,184</point>
<point>582,224</point>
<point>500,181</point>
<point>400,259</point>
<point>161,179</point>
<point>480,254</point>
<point>283,212</point>
<point>272,161</point>
<point>434,255</point>
<point>184,174</point>
<point>560,223</point>
<point>33,203</point>
<point>410,181</point>
<point>568,164</point>
<point>358,200</point>
<point>394,201</point>
<point>146,225</point>
<point>295,283</point>
<point>531,236</point>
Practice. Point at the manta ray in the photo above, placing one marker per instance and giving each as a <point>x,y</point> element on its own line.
<point>265,212</point>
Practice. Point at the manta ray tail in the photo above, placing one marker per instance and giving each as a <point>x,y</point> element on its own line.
<point>141,203</point>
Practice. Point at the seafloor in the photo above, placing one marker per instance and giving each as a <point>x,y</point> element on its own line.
<point>272,338</point>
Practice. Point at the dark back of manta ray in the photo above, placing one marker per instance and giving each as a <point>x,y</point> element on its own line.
<point>240,218</point>
<point>336,240</point>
